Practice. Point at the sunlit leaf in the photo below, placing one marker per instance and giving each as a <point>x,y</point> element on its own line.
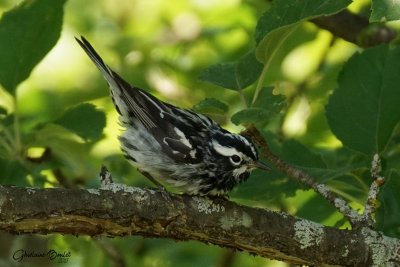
<point>385,10</point>
<point>27,33</point>
<point>67,150</point>
<point>364,110</point>
<point>279,21</point>
<point>268,47</point>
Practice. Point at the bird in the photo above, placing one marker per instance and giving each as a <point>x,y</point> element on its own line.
<point>173,146</point>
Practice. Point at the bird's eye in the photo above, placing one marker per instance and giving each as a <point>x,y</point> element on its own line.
<point>235,159</point>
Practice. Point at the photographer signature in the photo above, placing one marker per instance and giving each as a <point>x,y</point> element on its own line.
<point>60,257</point>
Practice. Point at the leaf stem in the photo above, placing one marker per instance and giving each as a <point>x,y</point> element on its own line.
<point>17,129</point>
<point>7,134</point>
<point>7,141</point>
<point>269,60</point>
<point>260,82</point>
<point>240,92</point>
<point>241,95</point>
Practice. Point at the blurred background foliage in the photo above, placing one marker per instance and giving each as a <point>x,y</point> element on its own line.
<point>59,125</point>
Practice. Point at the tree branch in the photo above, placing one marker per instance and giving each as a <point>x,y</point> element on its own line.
<point>355,29</point>
<point>355,219</point>
<point>378,181</point>
<point>136,211</point>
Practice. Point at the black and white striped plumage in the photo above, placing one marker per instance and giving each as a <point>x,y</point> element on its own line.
<point>177,146</point>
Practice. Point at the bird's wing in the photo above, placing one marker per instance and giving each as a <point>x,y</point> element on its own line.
<point>172,127</point>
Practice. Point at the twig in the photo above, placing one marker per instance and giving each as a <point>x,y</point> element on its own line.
<point>355,29</point>
<point>227,258</point>
<point>355,219</point>
<point>378,181</point>
<point>108,184</point>
<point>105,177</point>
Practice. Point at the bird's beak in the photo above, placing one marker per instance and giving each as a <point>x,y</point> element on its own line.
<point>261,166</point>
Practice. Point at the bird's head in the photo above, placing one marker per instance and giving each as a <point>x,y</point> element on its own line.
<point>236,154</point>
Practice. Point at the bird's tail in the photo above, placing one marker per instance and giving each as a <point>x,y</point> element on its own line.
<point>130,102</point>
<point>97,60</point>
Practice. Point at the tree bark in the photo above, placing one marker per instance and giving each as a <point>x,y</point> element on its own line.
<point>145,212</point>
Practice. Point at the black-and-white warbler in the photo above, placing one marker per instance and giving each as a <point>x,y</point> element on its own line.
<point>176,146</point>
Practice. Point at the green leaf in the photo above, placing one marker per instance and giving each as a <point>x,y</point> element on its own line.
<point>250,115</point>
<point>248,69</point>
<point>270,186</point>
<point>268,47</point>
<point>266,187</point>
<point>3,111</point>
<point>268,101</point>
<point>235,75</point>
<point>316,209</point>
<point>388,213</point>
<point>27,34</point>
<point>385,10</point>
<point>297,154</point>
<point>220,74</point>
<point>84,120</point>
<point>364,110</point>
<point>13,173</point>
<point>262,111</point>
<point>279,21</point>
<point>341,176</point>
<point>211,105</point>
<point>67,149</point>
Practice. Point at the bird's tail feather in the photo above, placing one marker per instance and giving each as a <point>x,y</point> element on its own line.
<point>97,60</point>
<point>128,100</point>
